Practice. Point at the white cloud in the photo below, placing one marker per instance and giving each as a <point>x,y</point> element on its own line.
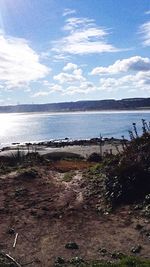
<point>72,81</point>
<point>84,88</point>
<point>145,31</point>
<point>83,37</point>
<point>143,79</point>
<point>74,75</point>
<point>41,93</point>
<point>70,66</point>
<point>68,12</point>
<point>55,88</point>
<point>51,89</point>
<point>114,84</point>
<point>68,78</point>
<point>45,83</point>
<point>19,63</point>
<point>138,82</point>
<point>78,23</point>
<point>135,63</point>
<point>60,57</point>
<point>133,74</point>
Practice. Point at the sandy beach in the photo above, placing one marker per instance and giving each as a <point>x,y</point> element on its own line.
<point>86,149</point>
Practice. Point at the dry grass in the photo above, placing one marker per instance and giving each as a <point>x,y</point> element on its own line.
<point>71,165</point>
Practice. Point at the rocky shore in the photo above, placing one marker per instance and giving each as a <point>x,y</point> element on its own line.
<point>82,147</point>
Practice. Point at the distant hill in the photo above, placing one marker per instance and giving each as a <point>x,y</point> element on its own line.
<point>124,104</point>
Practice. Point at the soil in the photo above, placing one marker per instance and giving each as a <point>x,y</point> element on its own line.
<point>47,212</point>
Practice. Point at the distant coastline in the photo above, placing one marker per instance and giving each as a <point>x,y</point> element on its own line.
<point>129,104</point>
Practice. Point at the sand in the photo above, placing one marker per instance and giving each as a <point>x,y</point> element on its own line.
<point>83,150</point>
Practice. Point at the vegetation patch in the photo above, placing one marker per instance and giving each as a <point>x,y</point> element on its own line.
<point>28,175</point>
<point>68,176</point>
<point>126,261</point>
<point>128,174</point>
<point>95,157</point>
<point>123,178</point>
<point>69,165</point>
<point>56,156</point>
<point>19,159</point>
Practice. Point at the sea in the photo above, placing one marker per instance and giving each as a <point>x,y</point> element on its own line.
<point>37,127</point>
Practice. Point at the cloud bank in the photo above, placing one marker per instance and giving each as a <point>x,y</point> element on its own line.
<point>132,74</point>
<point>145,32</point>
<point>135,63</point>
<point>19,63</point>
<point>83,36</point>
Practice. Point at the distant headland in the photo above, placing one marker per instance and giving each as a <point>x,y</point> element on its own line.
<point>87,105</point>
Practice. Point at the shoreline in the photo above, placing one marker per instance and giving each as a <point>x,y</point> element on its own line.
<point>83,147</point>
<point>81,111</point>
<point>63,142</point>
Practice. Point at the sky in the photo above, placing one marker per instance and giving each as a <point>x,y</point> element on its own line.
<point>71,50</point>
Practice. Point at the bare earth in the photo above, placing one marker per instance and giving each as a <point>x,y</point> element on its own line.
<point>47,212</point>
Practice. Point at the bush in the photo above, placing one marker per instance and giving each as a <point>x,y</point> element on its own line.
<point>56,156</point>
<point>128,177</point>
<point>94,157</point>
<point>28,175</point>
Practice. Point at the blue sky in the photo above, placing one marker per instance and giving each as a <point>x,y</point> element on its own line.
<point>70,50</point>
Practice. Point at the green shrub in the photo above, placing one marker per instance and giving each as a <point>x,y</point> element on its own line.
<point>126,261</point>
<point>94,157</point>
<point>68,176</point>
<point>128,175</point>
<point>56,156</point>
<point>28,175</point>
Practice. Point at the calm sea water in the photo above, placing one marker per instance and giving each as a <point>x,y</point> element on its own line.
<point>46,126</point>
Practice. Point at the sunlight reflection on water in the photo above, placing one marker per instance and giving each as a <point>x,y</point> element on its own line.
<point>25,127</point>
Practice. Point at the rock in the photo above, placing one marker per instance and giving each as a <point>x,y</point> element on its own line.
<point>138,227</point>
<point>71,245</point>
<point>11,231</point>
<point>103,251</point>
<point>59,261</point>
<point>114,255</point>
<point>117,255</point>
<point>136,249</point>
